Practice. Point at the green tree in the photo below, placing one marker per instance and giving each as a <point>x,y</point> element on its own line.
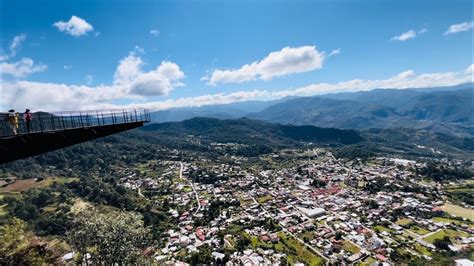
<point>20,247</point>
<point>110,236</point>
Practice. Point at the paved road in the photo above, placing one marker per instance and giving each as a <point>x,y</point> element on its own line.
<point>181,167</point>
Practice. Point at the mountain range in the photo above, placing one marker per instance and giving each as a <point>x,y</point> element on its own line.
<point>442,109</point>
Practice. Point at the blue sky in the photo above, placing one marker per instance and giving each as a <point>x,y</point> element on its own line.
<point>196,38</point>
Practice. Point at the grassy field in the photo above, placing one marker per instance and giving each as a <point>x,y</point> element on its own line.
<point>452,221</point>
<point>418,230</point>
<point>264,199</point>
<point>24,185</point>
<point>296,251</point>
<point>256,242</point>
<point>244,202</point>
<point>446,232</point>
<point>458,211</point>
<point>79,205</point>
<point>404,221</point>
<point>382,228</point>
<point>461,190</point>
<point>307,235</point>
<point>349,247</point>
<point>422,250</point>
<point>27,184</point>
<point>234,229</point>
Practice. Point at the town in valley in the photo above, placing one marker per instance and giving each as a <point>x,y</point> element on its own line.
<point>303,206</point>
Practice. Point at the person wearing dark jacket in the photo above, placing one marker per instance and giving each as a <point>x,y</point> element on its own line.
<point>27,117</point>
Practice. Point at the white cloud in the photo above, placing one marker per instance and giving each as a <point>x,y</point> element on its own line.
<point>17,40</point>
<point>403,80</point>
<point>469,70</point>
<point>160,81</point>
<point>67,67</point>
<point>334,52</point>
<point>424,30</point>
<point>52,97</point>
<point>288,60</point>
<point>128,69</point>
<point>405,36</point>
<point>76,26</point>
<point>455,28</point>
<point>21,68</point>
<point>154,32</point>
<point>49,96</point>
<point>139,49</point>
<point>15,44</point>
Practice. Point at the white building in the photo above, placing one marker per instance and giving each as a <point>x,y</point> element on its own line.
<point>464,262</point>
<point>313,212</point>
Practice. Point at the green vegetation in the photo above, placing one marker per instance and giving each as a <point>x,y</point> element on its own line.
<point>97,232</point>
<point>244,202</point>
<point>307,236</point>
<point>63,207</point>
<point>3,212</point>
<point>445,232</point>
<point>256,242</point>
<point>418,230</point>
<point>381,228</point>
<point>404,221</point>
<point>18,246</point>
<point>422,250</point>
<point>461,194</point>
<point>264,199</point>
<point>234,229</point>
<point>296,251</point>
<point>442,173</point>
<point>449,220</point>
<point>349,247</point>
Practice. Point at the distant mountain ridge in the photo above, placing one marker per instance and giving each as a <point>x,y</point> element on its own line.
<point>221,111</point>
<point>443,111</point>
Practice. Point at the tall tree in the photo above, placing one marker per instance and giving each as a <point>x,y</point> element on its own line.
<point>110,236</point>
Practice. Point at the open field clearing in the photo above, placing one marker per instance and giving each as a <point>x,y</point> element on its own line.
<point>458,211</point>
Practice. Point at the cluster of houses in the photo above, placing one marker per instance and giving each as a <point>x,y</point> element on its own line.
<point>337,217</point>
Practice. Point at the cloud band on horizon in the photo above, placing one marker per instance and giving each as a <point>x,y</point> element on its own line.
<point>52,97</point>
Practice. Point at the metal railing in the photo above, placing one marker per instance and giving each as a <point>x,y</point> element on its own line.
<point>57,121</point>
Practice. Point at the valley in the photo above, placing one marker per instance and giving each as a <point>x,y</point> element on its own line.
<point>209,190</point>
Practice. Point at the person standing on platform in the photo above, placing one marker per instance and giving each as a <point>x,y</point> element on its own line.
<point>12,118</point>
<point>27,117</point>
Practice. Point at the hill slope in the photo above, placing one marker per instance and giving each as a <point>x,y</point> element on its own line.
<point>253,132</point>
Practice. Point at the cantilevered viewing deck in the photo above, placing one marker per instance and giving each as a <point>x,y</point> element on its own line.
<point>54,130</point>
